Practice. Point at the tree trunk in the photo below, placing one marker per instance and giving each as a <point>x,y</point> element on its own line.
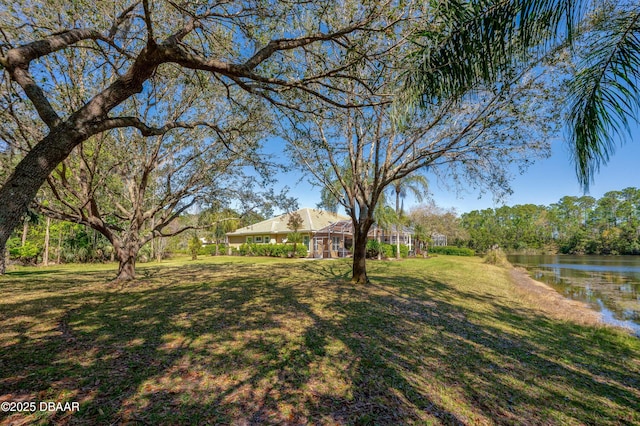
<point>159,249</point>
<point>25,231</point>
<point>127,270</point>
<point>127,265</point>
<point>126,251</point>
<point>21,187</point>
<point>153,243</point>
<point>359,269</point>
<point>59,253</point>
<point>45,255</point>
<point>397,224</point>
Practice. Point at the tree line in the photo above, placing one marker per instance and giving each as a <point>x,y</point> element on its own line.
<point>573,225</point>
<point>44,241</point>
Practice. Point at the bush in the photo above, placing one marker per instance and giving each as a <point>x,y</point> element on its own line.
<point>451,250</point>
<point>373,248</point>
<point>496,257</point>
<point>404,250</point>
<point>26,254</point>
<point>388,250</point>
<point>271,250</point>
<point>210,249</point>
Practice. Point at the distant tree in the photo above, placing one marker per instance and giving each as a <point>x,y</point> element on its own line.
<point>422,239</point>
<point>194,246</point>
<point>218,221</point>
<point>433,219</point>
<point>385,218</point>
<point>415,184</point>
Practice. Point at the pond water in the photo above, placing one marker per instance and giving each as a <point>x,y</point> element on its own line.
<point>609,284</point>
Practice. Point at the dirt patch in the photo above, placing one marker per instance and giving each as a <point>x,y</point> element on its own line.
<point>552,302</point>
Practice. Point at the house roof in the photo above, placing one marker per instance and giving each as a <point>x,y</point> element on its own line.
<point>312,221</point>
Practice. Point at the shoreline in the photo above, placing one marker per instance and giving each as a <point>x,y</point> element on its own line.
<point>553,302</point>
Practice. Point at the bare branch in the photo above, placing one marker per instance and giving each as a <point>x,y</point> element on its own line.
<point>146,130</point>
<point>149,23</point>
<point>120,19</point>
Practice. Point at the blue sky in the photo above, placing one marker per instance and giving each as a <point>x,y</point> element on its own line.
<point>544,183</point>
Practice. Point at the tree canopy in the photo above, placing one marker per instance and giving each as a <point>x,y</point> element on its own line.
<point>75,70</point>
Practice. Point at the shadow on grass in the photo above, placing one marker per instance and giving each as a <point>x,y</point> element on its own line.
<point>32,272</point>
<point>278,344</point>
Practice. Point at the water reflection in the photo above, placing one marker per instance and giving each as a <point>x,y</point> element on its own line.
<point>610,284</point>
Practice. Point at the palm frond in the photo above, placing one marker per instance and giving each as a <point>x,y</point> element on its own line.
<point>470,42</point>
<point>605,93</point>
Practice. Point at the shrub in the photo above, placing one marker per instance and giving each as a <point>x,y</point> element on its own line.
<point>388,250</point>
<point>496,257</point>
<point>246,249</point>
<point>452,250</point>
<point>27,253</point>
<point>210,249</point>
<point>404,250</point>
<point>271,250</point>
<point>195,245</point>
<point>373,248</point>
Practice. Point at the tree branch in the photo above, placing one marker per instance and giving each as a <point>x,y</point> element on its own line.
<point>149,23</point>
<point>146,130</point>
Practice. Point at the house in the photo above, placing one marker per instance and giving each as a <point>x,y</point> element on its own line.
<point>438,239</point>
<point>336,239</point>
<point>275,230</point>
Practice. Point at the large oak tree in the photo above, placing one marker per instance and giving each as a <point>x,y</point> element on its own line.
<point>271,50</point>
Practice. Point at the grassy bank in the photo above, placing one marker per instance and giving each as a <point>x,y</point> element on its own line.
<point>447,340</point>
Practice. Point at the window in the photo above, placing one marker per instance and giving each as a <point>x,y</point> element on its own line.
<point>335,243</point>
<point>258,240</point>
<point>305,241</point>
<point>249,240</point>
<point>266,239</point>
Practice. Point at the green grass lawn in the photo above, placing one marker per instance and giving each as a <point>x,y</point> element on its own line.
<point>252,341</point>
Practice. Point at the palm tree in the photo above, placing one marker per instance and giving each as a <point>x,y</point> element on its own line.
<point>294,223</point>
<point>471,42</point>
<point>417,185</point>
<point>605,92</point>
<point>421,236</point>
